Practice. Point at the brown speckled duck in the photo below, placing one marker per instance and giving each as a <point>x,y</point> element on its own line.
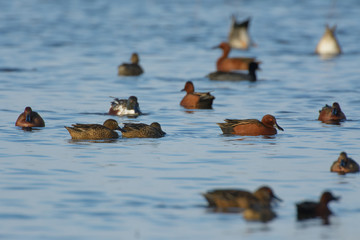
<point>238,198</point>
<point>142,130</point>
<point>94,131</point>
<point>131,69</point>
<point>344,164</point>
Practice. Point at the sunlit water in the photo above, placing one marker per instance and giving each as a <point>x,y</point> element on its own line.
<point>63,57</point>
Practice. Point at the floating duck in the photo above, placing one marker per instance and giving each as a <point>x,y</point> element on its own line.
<point>29,119</point>
<point>125,107</point>
<point>328,44</point>
<point>131,69</point>
<point>236,76</point>
<point>94,131</point>
<point>239,34</point>
<point>142,130</point>
<point>259,213</point>
<point>225,64</point>
<point>309,209</point>
<point>344,164</point>
<point>237,198</point>
<point>331,114</point>
<point>198,100</point>
<point>251,127</point>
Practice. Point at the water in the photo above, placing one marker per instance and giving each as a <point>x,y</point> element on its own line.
<point>64,56</point>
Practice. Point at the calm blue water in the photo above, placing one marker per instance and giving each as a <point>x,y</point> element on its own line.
<point>66,53</point>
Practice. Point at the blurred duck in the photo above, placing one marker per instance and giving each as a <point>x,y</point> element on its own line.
<point>259,214</point>
<point>225,64</point>
<point>131,69</point>
<point>29,119</point>
<point>225,199</point>
<point>123,107</point>
<point>196,100</point>
<point>308,209</point>
<point>94,131</point>
<point>344,164</point>
<point>236,76</point>
<point>328,44</point>
<point>331,114</point>
<point>239,35</point>
<point>141,130</point>
<point>251,127</point>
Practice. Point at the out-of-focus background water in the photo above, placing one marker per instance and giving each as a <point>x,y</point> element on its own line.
<point>64,57</point>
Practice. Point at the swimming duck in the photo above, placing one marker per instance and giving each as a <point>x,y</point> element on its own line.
<point>331,114</point>
<point>122,107</point>
<point>131,69</point>
<point>94,131</point>
<point>251,127</point>
<point>328,44</point>
<point>29,119</point>
<point>239,35</point>
<point>309,209</point>
<point>199,100</point>
<point>225,64</point>
<point>344,164</point>
<point>236,76</point>
<point>259,214</point>
<point>237,198</point>
<point>142,130</point>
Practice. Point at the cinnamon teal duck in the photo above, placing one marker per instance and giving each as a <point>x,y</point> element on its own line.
<point>251,127</point>
<point>198,100</point>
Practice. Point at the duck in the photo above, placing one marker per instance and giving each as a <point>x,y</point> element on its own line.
<point>259,214</point>
<point>238,198</point>
<point>310,209</point>
<point>236,76</point>
<point>344,164</point>
<point>125,107</point>
<point>94,131</point>
<point>226,64</point>
<point>331,114</point>
<point>29,119</point>
<point>239,34</point>
<point>251,127</point>
<point>196,100</point>
<point>142,130</point>
<point>131,69</point>
<point>328,44</point>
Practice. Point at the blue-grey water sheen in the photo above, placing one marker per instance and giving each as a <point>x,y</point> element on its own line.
<point>61,58</point>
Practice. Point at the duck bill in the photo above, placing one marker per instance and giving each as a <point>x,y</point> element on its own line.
<point>335,198</point>
<point>278,127</point>
<point>182,90</point>
<point>277,198</point>
<point>215,47</point>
